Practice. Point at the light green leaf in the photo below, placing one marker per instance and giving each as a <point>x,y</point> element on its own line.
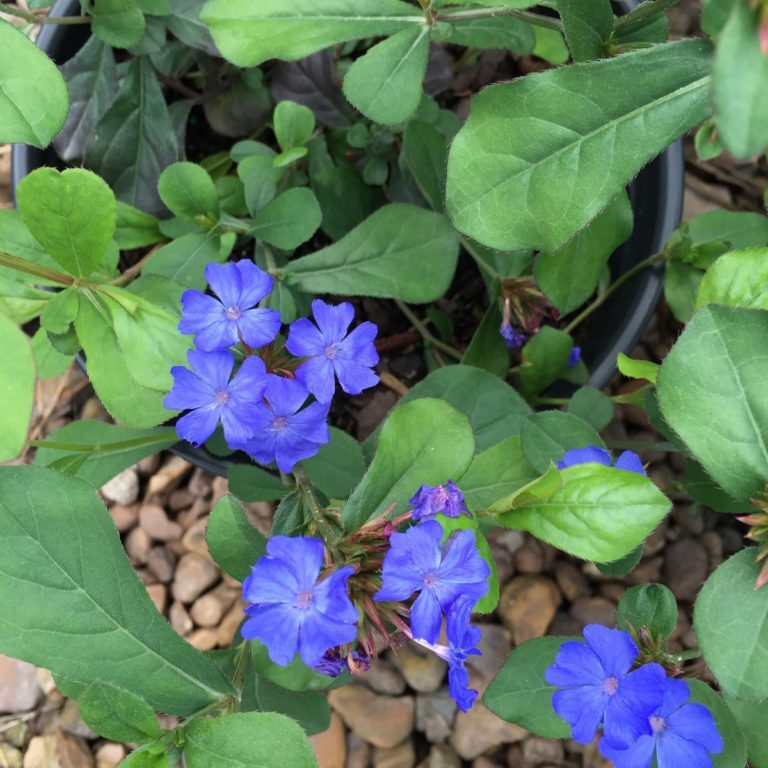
<point>569,276</point>
<point>519,693</point>
<point>17,389</point>
<point>60,549</point>
<point>544,359</point>
<point>248,33</point>
<point>711,391</point>
<point>742,229</point>
<point>248,740</point>
<point>648,605</point>
<point>119,23</point>
<point>599,513</point>
<point>188,190</point>
<point>412,450</point>
<point>386,83</point>
<point>504,32</point>
<point>587,25</point>
<point>739,279</point>
<point>400,251</point>
<point>184,259</point>
<point>734,754</point>
<point>681,284</point>
<point>294,125</point>
<point>550,46</point>
<point>254,484</point>
<point>71,214</point>
<point>232,541</point>
<point>338,467</point>
<point>33,96</point>
<point>585,152</point>
<point>637,369</point>
<point>289,220</point>
<point>135,229</point>
<point>49,362</point>
<point>425,152</point>
<point>117,714</point>
<point>751,717</point>
<point>113,448</point>
<point>740,81</point>
<point>731,623</point>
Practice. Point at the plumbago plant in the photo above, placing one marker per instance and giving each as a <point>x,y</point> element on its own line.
<point>214,293</point>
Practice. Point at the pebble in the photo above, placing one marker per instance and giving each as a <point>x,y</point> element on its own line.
<point>441,756</point>
<point>219,488</point>
<point>137,545</point>
<point>530,558</point>
<point>657,540</point>
<point>383,721</point>
<point>200,483</point>
<point>155,522</point>
<point>230,623</point>
<point>41,753</point>
<point>401,756</point>
<point>123,517</point>
<point>73,752</point>
<point>507,538</point>
<point>19,689</point>
<point>109,755</point>
<point>572,582</point>
<point>161,561</point>
<point>495,645</point>
<point>330,746</point>
<point>149,464</point>
<point>435,713</point>
<point>169,474</point>
<point>194,575</point>
<point>382,677</point>
<point>194,539</point>
<point>358,752</point>
<point>123,488</point>
<point>10,757</point>
<point>686,567</point>
<point>159,595</point>
<point>180,499</point>
<point>539,751</point>
<point>203,639</point>
<point>71,722</point>
<point>180,620</point>
<point>422,670</point>
<point>208,610</point>
<point>527,606</point>
<point>646,572</point>
<point>93,410</point>
<point>712,542</point>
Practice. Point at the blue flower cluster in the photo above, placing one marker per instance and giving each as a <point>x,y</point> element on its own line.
<point>263,410</point>
<point>642,711</point>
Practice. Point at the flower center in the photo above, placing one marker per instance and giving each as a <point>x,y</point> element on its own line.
<point>610,685</point>
<point>222,397</point>
<point>233,312</point>
<point>431,580</point>
<point>304,600</point>
<point>658,724</point>
<point>280,422</point>
<point>331,351</point>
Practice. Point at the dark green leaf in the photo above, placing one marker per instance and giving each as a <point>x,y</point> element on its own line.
<point>308,708</point>
<point>289,220</point>
<point>702,488</point>
<point>296,676</point>
<point>751,717</point>
<point>734,754</point>
<point>742,229</point>
<point>254,484</point>
<point>593,406</point>
<point>487,349</point>
<point>135,229</point>
<point>294,124</point>
<point>587,25</point>
<point>544,359</point>
<point>119,23</point>
<point>338,467</point>
<point>650,605</point>
<point>505,32</point>
<point>681,284</point>
<point>117,714</point>
<point>232,541</point>
<point>425,152</point>
<point>623,565</point>
<point>184,260</point>
<point>289,517</point>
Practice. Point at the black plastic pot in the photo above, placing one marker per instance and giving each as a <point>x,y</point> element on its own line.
<point>656,195</point>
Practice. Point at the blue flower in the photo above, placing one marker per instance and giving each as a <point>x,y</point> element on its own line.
<point>291,611</point>
<point>596,686</point>
<point>416,562</point>
<point>208,393</point>
<point>281,432</point>
<point>681,732</point>
<point>574,357</point>
<point>334,663</point>
<point>514,339</point>
<point>220,323</point>
<point>445,499</point>
<point>333,353</point>
<point>628,461</point>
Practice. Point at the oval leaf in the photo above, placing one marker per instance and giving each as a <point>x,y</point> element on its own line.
<point>739,279</point>
<point>17,389</point>
<point>232,541</point>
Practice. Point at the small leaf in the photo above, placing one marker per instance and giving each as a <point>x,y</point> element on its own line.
<point>593,406</point>
<point>587,25</point>
<point>250,483</point>
<point>425,152</point>
<point>738,279</point>
<point>637,369</point>
<point>289,220</point>
<point>308,708</point>
<point>504,32</point>
<point>117,714</point>
<point>751,717</point>
<point>294,125</point>
<point>487,349</point>
<point>17,389</point>
<point>681,284</point>
<point>544,359</point>
<point>135,229</point>
<point>119,23</point>
<point>188,190</point>
<point>546,436</point>
<point>184,260</point>
<point>233,542</point>
<point>338,467</point>
<point>652,606</point>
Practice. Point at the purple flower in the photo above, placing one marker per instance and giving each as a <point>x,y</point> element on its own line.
<point>416,562</point>
<point>334,662</point>
<point>283,433</point>
<point>682,733</point>
<point>575,356</point>
<point>445,499</point>
<point>207,392</point>
<point>596,686</point>
<point>332,353</point>
<point>628,461</point>
<point>220,323</point>
<point>514,339</point>
<point>291,611</point>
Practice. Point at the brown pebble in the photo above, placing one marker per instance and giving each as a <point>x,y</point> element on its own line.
<point>159,594</point>
<point>168,475</point>
<point>123,517</point>
<point>594,610</point>
<point>180,619</point>
<point>383,721</point>
<point>527,605</point>
<point>155,522</point>
<point>572,582</point>
<point>203,639</point>
<point>230,623</point>
<point>330,746</point>
<point>200,483</point>
<point>686,566</point>
<point>149,465</point>
<point>73,752</point>
<point>180,499</point>
<point>194,539</point>
<point>207,610</point>
<point>137,545</point>
<point>161,562</point>
<point>194,574</point>
<point>219,488</point>
<point>109,755</point>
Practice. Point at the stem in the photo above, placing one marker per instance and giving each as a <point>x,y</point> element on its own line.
<point>426,333</point>
<point>603,297</point>
<point>643,11</point>
<point>22,265</point>
<point>98,447</point>
<point>550,400</point>
<point>134,270</point>
<point>304,487</point>
<point>243,657</point>
<point>536,19</point>
<point>33,18</point>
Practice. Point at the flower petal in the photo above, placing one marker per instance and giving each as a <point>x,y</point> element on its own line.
<point>285,396</point>
<point>353,377</point>
<point>639,695</point>
<point>318,376</point>
<point>358,345</point>
<point>311,423</point>
<point>331,596</point>
<point>458,687</point>
<point>291,448</point>
<point>302,554</point>
<point>638,755</point>
<point>197,426</point>
<point>304,339</point>
<point>672,751</point>
<point>582,708</point>
<point>615,649</point>
<point>630,462</point>
<point>214,368</point>
<point>576,664</point>
<point>225,282</point>
<point>188,391</point>
<point>255,283</point>
<point>198,311</point>
<point>694,722</point>
<point>426,616</point>
<point>271,581</point>
<point>333,320</point>
<point>258,327</point>
<point>589,455</point>
<point>277,626</point>
<point>319,633</point>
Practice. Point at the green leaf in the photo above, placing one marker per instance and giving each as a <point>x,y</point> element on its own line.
<point>731,623</point>
<point>247,33</point>
<point>593,406</point>
<point>703,489</point>
<point>91,77</point>
<point>49,361</point>
<point>504,32</point>
<point>425,153</point>
<point>33,96</point>
<point>681,284</point>
<point>60,311</point>
<point>649,605</point>
<point>134,140</point>
<point>742,229</point>
<point>289,517</point>
<point>119,23</point>
<point>599,513</point>
<point>544,359</point>
<point>739,279</point>
<point>289,220</point>
<point>296,676</point>
<point>294,125</point>
<point>623,565</point>
<point>400,251</point>
<point>248,740</point>
<point>135,229</point>
<point>712,383</point>
<point>184,260</point>
<point>60,550</point>
<point>707,142</point>
<point>550,46</point>
<point>71,214</point>
<point>637,369</point>
<point>587,25</point>
<point>495,473</point>
<point>546,436</point>
<point>338,467</point>
<point>188,191</point>
<point>112,448</point>
<point>424,442</point>
<point>519,693</point>
<point>232,541</point>
<point>386,83</point>
<point>17,389</point>
<point>487,349</point>
<point>734,754</point>
<point>541,487</point>
<point>740,79</point>
<point>117,714</point>
<point>583,156</point>
<point>751,717</point>
<point>254,484</point>
<point>308,708</point>
<point>569,276</point>
<point>259,176</point>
